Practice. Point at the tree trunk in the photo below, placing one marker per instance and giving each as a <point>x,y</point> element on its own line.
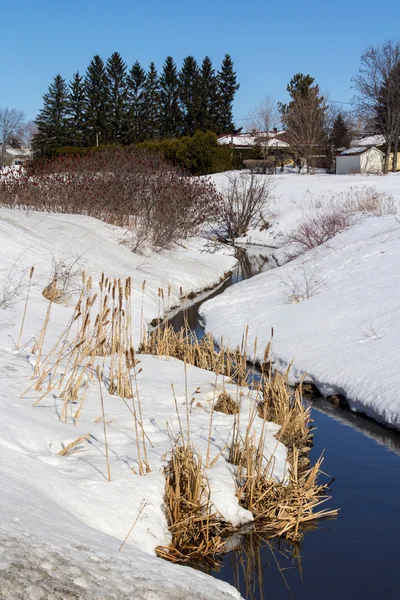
<point>387,156</point>
<point>395,149</point>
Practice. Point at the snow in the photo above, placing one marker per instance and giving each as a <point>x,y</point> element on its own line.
<point>346,335</point>
<point>61,521</point>
<point>356,150</point>
<point>372,140</point>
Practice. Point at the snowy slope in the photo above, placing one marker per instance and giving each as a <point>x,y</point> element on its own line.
<point>61,521</point>
<point>346,336</point>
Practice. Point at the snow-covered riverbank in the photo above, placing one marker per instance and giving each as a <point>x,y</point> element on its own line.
<point>335,310</point>
<point>61,521</point>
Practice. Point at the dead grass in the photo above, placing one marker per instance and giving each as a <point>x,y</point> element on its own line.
<point>197,532</point>
<point>185,346</point>
<point>226,405</point>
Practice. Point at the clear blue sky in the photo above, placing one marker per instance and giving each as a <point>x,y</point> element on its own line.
<point>269,41</point>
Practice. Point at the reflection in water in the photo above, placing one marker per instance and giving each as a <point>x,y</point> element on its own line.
<point>389,438</point>
<point>252,563</point>
<point>355,556</point>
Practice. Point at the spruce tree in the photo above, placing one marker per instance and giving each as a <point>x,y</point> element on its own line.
<point>340,133</point>
<point>52,119</point>
<point>117,86</point>
<point>97,117</point>
<point>151,100</point>
<point>227,88</point>
<point>170,112</point>
<point>189,95</point>
<point>76,111</point>
<point>136,81</point>
<point>208,103</point>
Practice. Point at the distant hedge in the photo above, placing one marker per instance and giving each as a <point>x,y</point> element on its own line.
<point>199,155</point>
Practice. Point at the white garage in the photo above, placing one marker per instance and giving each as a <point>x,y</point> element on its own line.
<point>359,160</point>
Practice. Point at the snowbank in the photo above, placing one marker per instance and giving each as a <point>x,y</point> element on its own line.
<point>346,335</point>
<point>61,521</point>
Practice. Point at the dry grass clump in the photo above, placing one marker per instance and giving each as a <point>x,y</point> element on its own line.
<point>98,334</point>
<point>368,200</point>
<point>281,509</point>
<point>226,405</point>
<point>280,405</point>
<point>196,531</point>
<point>185,346</point>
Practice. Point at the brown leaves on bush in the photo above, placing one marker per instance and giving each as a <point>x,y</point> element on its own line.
<point>124,187</point>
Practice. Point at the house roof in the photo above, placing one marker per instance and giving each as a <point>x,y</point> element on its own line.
<point>271,139</point>
<point>371,140</point>
<point>359,150</point>
<point>9,151</point>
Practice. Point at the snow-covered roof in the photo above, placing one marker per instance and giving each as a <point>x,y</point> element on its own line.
<point>371,140</point>
<point>267,138</point>
<point>16,151</point>
<point>359,150</point>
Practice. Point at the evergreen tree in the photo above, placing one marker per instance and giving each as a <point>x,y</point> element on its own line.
<point>151,100</point>
<point>305,118</point>
<point>137,103</point>
<point>189,95</point>
<point>170,112</point>
<point>227,87</point>
<point>76,111</point>
<point>208,102</point>
<point>52,119</point>
<point>340,133</point>
<point>97,115</point>
<point>117,86</point>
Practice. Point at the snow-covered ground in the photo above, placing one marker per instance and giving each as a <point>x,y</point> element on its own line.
<point>61,521</point>
<point>335,310</point>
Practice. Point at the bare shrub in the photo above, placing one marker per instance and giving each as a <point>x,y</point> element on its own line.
<point>305,283</point>
<point>124,187</point>
<point>13,285</point>
<point>368,200</point>
<point>244,202</point>
<point>263,166</point>
<point>316,229</point>
<point>64,279</point>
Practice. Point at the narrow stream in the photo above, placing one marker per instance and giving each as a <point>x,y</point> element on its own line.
<point>353,557</point>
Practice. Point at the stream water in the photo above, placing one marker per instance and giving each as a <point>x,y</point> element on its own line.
<point>355,556</point>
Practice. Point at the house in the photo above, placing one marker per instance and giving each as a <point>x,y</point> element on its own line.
<point>13,156</point>
<point>272,140</point>
<point>360,160</point>
<point>379,142</point>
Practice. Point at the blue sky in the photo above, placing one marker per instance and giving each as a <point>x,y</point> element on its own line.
<point>269,41</point>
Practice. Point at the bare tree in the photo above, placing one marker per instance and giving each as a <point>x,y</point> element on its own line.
<point>378,87</point>
<point>11,120</point>
<point>263,118</point>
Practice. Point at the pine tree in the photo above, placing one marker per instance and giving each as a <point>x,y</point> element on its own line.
<point>170,112</point>
<point>76,111</point>
<point>340,133</point>
<point>117,86</point>
<point>305,118</point>
<point>189,95</point>
<point>136,81</point>
<point>52,119</point>
<point>208,103</point>
<point>227,88</point>
<point>97,115</point>
<point>151,99</point>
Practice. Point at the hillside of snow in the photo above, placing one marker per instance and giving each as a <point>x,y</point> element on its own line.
<point>335,310</point>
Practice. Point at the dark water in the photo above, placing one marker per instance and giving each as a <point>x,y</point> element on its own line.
<point>356,556</point>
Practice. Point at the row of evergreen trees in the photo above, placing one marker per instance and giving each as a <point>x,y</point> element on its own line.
<point>113,105</point>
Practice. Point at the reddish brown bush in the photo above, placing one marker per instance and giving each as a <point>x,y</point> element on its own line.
<point>123,187</point>
<point>316,229</point>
